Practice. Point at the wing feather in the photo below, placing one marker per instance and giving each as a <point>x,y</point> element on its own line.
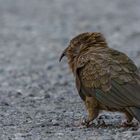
<point>111,75</point>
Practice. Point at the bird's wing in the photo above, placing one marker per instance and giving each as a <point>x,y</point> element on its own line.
<point>111,75</point>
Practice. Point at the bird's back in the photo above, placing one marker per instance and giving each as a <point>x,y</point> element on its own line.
<point>99,67</point>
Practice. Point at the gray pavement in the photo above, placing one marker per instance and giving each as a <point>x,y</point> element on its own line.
<point>38,99</point>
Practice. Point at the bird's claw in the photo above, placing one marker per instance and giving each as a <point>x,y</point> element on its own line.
<point>85,122</point>
<point>101,123</point>
<point>129,124</point>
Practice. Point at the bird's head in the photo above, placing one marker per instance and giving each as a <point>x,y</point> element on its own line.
<point>82,43</point>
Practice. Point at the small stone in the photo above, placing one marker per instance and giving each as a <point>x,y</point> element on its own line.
<point>105,138</point>
<point>67,125</point>
<point>43,125</point>
<point>104,117</point>
<point>55,123</point>
<point>128,134</point>
<point>49,67</point>
<point>31,95</point>
<point>59,134</point>
<point>4,103</point>
<point>72,129</point>
<point>18,93</point>
<point>47,96</point>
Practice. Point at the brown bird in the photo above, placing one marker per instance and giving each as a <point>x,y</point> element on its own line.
<point>106,79</point>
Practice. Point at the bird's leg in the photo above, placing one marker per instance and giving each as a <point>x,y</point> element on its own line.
<point>91,106</point>
<point>128,122</point>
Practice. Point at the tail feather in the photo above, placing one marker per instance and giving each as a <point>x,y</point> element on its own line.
<point>134,111</point>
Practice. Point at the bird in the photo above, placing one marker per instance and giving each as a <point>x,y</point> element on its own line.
<point>105,78</point>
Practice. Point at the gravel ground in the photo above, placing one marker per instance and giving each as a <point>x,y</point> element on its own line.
<point>38,99</point>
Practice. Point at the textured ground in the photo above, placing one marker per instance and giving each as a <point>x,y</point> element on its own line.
<point>38,99</point>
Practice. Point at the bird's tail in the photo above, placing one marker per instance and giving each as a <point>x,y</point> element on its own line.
<point>135,111</point>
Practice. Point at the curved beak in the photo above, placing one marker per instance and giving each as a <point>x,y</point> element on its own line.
<point>62,55</point>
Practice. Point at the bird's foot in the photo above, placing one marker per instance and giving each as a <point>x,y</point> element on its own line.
<point>86,122</point>
<point>129,124</point>
<point>101,123</point>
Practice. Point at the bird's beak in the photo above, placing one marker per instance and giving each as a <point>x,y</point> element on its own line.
<point>62,55</point>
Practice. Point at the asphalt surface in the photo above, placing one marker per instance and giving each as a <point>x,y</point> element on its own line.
<point>38,99</point>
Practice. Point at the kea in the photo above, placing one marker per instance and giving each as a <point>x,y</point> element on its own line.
<point>106,79</point>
